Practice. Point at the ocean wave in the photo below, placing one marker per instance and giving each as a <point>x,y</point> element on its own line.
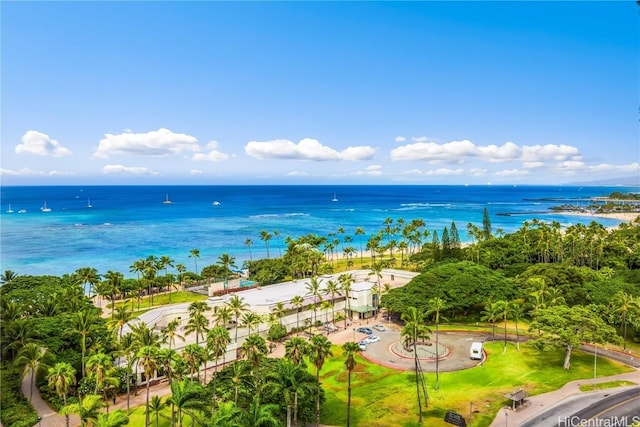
<point>285,215</point>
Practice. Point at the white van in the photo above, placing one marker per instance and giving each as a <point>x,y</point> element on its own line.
<point>476,351</point>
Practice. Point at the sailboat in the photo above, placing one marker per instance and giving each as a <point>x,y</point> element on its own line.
<point>335,199</point>
<point>89,203</point>
<point>44,208</point>
<point>166,200</point>
<point>9,210</point>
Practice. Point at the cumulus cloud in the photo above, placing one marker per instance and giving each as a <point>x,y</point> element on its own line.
<point>38,143</point>
<point>477,171</point>
<point>532,165</point>
<point>400,139</point>
<point>536,153</point>
<point>430,151</point>
<point>371,170</point>
<point>127,170</point>
<point>605,167</point>
<point>306,149</point>
<point>298,173</point>
<point>435,172</point>
<point>506,152</point>
<point>212,154</point>
<point>161,142</point>
<point>30,172</point>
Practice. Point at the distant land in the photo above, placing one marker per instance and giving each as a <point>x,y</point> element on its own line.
<point>628,181</point>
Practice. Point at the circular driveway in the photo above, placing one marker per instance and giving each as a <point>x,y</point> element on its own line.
<point>458,344</point>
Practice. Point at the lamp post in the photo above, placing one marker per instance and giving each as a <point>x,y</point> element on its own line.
<point>506,418</point>
<point>354,334</point>
<point>595,361</point>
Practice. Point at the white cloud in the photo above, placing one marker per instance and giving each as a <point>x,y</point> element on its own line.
<point>477,171</point>
<point>435,172</point>
<point>127,170</point>
<point>511,172</point>
<point>195,172</point>
<point>34,142</point>
<point>161,142</point>
<point>506,152</point>
<point>453,151</point>
<point>306,149</point>
<point>532,165</point>
<point>213,155</point>
<point>29,172</point>
<point>298,173</point>
<point>604,167</point>
<point>371,170</point>
<point>400,139</point>
<point>536,153</point>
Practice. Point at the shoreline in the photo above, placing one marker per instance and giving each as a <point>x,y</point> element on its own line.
<point>621,216</point>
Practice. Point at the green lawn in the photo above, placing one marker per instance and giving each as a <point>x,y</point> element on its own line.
<point>160,299</point>
<point>601,386</point>
<point>385,397</point>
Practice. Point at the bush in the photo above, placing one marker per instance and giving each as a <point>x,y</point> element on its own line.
<point>276,332</point>
<point>15,410</point>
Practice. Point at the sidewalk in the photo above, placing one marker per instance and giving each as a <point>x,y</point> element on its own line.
<point>542,402</point>
<point>50,418</point>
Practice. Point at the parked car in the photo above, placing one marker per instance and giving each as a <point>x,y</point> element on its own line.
<point>379,327</point>
<point>362,345</point>
<point>364,330</point>
<point>371,339</point>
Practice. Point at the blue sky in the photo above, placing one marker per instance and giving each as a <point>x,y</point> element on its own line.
<point>328,92</point>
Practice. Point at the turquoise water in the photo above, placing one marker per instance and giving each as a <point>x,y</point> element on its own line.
<point>126,223</point>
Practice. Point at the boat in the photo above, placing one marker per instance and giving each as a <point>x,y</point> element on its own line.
<point>44,208</point>
<point>335,199</point>
<point>89,203</point>
<point>216,203</point>
<point>9,210</point>
<point>22,211</point>
<point>166,200</point>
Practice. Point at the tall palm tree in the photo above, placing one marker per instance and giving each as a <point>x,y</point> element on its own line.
<point>504,312</point>
<point>260,415</point>
<point>226,261</point>
<point>222,316</point>
<point>181,269</point>
<point>87,409</point>
<point>156,406</point>
<point>170,333</point>
<point>164,263</point>
<point>198,324</point>
<point>491,314</point>
<point>237,308</point>
<point>254,349</point>
<point>120,316</point>
<point>346,280</point>
<point>413,331</point>
<point>350,349</point>
<point>326,306</point>
<point>8,276</point>
<point>625,304</point>
<point>100,369</point>
<point>250,320</point>
<point>297,301</point>
<point>517,313</point>
<point>290,381</point>
<point>265,236</point>
<point>436,306</point>
<point>194,355</point>
<point>195,254</point>
<point>148,360</point>
<point>333,289</point>
<point>319,350</point>
<point>295,349</point>
<point>128,348</point>
<point>114,280</point>
<point>218,339</point>
<point>60,378</point>
<point>84,323</point>
<point>30,357</point>
<point>87,275</point>
<point>248,242</point>
<point>376,270</point>
<point>313,289</point>
<point>279,311</point>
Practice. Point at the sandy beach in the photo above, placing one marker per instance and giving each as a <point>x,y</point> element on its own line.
<point>622,216</point>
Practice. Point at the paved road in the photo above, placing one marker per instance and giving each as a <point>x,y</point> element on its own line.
<point>50,418</point>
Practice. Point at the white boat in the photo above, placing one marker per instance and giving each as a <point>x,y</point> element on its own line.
<point>89,203</point>
<point>44,208</point>
<point>335,199</point>
<point>22,211</point>
<point>9,210</point>
<point>216,203</point>
<point>166,200</point>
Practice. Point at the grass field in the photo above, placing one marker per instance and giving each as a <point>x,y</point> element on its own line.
<point>158,300</point>
<point>384,397</point>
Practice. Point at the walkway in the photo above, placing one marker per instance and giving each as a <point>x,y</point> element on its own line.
<point>50,418</point>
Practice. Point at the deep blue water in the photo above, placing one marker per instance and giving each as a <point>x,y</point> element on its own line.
<point>126,223</point>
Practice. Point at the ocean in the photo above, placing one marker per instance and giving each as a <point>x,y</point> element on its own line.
<point>110,227</point>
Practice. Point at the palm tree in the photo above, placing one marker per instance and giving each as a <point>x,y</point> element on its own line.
<point>248,242</point>
<point>346,280</point>
<point>156,406</point>
<point>181,269</point>
<point>326,306</point>
<point>170,333</point>
<point>504,311</point>
<point>218,339</point>
<point>436,306</point>
<point>414,330</point>
<point>60,378</point>
<point>313,289</point>
<point>333,289</point>
<point>237,373</point>
<point>120,316</point>
<point>87,275</point>
<point>254,349</point>
<point>222,316</point>
<point>165,262</point>
<point>376,270</point>
<point>350,349</point>
<point>295,349</point>
<point>197,323</point>
<point>30,357</point>
<point>128,348</point>
<point>290,381</point>
<point>115,418</point>
<point>8,276</point>
<point>279,311</point>
<point>83,323</point>
<point>194,355</point>
<point>491,314</point>
<point>319,350</point>
<point>195,254</point>
<point>265,236</point>
<point>625,304</point>
<point>100,368</point>
<point>237,308</point>
<point>87,409</point>
<point>148,360</point>
<point>226,261</point>
<point>187,397</point>
<point>517,313</point>
<point>297,301</point>
<point>114,281</point>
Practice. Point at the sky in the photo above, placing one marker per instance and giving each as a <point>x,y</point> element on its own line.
<point>318,92</point>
